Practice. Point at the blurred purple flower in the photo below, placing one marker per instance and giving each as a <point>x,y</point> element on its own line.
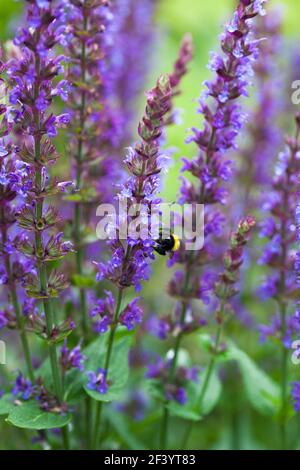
<point>97,381</point>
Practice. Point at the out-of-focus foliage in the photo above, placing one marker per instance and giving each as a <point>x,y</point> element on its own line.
<point>9,14</point>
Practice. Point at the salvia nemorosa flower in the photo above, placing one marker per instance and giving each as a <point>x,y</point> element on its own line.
<point>129,264</point>
<point>296,395</point>
<point>33,87</point>
<point>180,69</point>
<point>278,228</point>
<point>223,120</point>
<point>145,163</point>
<point>256,157</point>
<point>71,358</point>
<point>135,406</point>
<point>173,387</point>
<point>86,26</point>
<point>24,389</point>
<point>97,381</point>
<point>131,38</point>
<point>225,287</point>
<point>13,186</point>
<point>31,78</point>
<point>296,318</point>
<point>104,314</point>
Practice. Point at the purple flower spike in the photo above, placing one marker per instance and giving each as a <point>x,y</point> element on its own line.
<point>131,315</point>
<point>208,173</point>
<point>23,388</point>
<point>174,390</point>
<point>3,319</point>
<point>296,396</point>
<point>71,358</point>
<point>281,233</point>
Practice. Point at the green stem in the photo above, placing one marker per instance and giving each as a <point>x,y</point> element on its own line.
<point>16,306</point>
<point>206,382</point>
<point>88,421</point>
<point>23,335</point>
<point>65,437</point>
<point>42,270</point>
<point>79,162</point>
<point>283,313</point>
<point>99,405</point>
<point>166,415</point>
<point>284,381</point>
<point>42,273</point>
<point>211,367</point>
<point>164,427</point>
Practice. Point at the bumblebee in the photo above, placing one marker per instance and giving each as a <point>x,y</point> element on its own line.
<point>166,243</point>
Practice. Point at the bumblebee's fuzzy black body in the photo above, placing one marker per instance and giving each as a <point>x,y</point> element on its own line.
<point>166,244</point>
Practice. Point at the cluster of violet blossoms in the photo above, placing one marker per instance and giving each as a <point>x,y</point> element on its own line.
<point>296,385</point>
<point>223,121</point>
<point>278,228</point>
<point>13,186</point>
<point>105,76</point>
<point>33,70</point>
<point>263,136</point>
<point>32,91</point>
<point>129,264</point>
<point>129,42</point>
<point>27,389</point>
<point>94,125</point>
<point>256,158</point>
<point>104,312</point>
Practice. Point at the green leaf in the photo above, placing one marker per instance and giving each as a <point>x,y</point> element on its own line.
<point>73,392</point>
<point>6,404</point>
<point>207,343</point>
<point>74,382</point>
<point>262,392</point>
<point>118,369</point>
<point>213,393</point>
<point>155,389</point>
<point>191,409</point>
<point>28,415</point>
